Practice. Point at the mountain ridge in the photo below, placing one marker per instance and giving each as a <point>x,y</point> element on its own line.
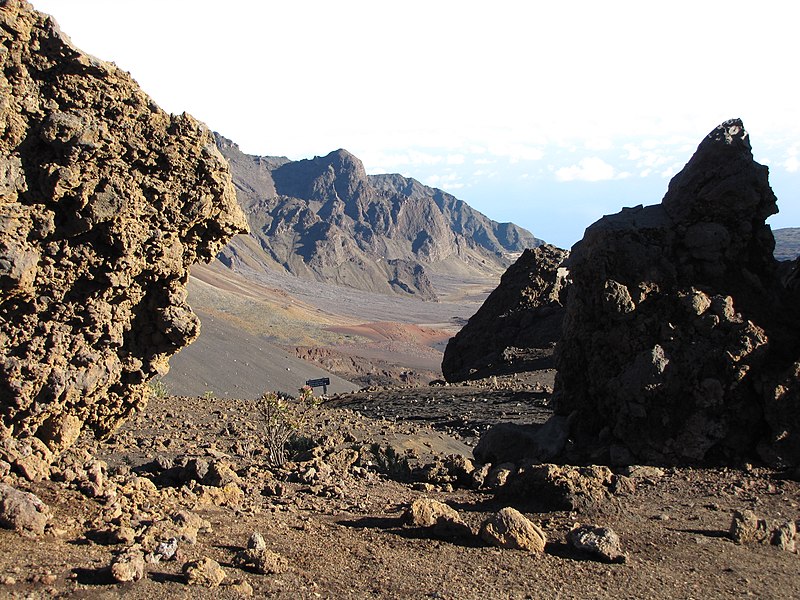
<point>325,219</point>
<point>787,243</point>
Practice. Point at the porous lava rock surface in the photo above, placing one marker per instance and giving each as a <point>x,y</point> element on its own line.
<point>105,201</point>
<point>518,323</point>
<point>680,340</point>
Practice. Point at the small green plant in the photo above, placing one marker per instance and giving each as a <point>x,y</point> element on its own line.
<point>158,388</point>
<point>208,395</point>
<point>388,461</point>
<point>285,418</point>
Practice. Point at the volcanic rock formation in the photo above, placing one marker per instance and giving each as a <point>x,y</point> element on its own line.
<point>325,219</point>
<point>105,200</point>
<point>518,325</point>
<point>681,339</point>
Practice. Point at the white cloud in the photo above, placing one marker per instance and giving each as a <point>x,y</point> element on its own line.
<point>647,155</point>
<point>378,161</point>
<point>598,144</point>
<point>672,170</point>
<point>515,151</point>
<point>591,168</point>
<point>448,181</point>
<point>792,162</point>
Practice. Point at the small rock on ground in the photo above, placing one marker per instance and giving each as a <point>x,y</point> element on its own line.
<point>510,529</point>
<point>205,572</point>
<point>601,542</point>
<point>441,519</point>
<point>259,558</point>
<point>22,511</point>
<point>128,566</point>
<point>746,527</point>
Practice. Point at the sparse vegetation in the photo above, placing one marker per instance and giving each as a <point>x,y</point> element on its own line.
<point>158,388</point>
<point>285,418</point>
<point>208,395</point>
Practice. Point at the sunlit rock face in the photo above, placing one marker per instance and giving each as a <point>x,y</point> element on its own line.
<point>105,201</point>
<point>680,341</point>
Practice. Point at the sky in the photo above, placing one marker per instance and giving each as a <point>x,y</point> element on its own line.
<point>546,114</point>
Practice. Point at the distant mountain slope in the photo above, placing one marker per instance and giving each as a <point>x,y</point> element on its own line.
<point>326,219</point>
<point>787,243</point>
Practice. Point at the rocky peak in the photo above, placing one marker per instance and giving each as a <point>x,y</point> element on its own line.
<point>707,198</point>
<point>680,339</point>
<point>326,219</point>
<point>336,176</point>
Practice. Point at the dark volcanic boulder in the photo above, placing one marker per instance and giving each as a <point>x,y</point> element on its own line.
<point>105,201</point>
<point>681,339</point>
<point>518,324</point>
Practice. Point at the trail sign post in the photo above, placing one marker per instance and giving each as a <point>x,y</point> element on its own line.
<point>322,382</point>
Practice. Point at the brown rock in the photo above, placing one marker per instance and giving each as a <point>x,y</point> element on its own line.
<point>22,511</point>
<point>228,495</point>
<point>105,201</point>
<point>183,526</point>
<point>510,529</point>
<point>241,587</point>
<point>500,474</point>
<point>128,566</point>
<point>220,474</point>
<point>785,536</point>
<point>746,527</point>
<point>601,542</point>
<point>442,520</point>
<point>60,431</point>
<point>259,558</point>
<point>680,335</point>
<point>28,457</point>
<point>204,572</point>
<point>561,487</point>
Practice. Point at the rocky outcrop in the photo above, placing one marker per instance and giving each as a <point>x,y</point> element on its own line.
<point>681,338</point>
<point>518,325</point>
<point>325,219</point>
<point>105,200</point>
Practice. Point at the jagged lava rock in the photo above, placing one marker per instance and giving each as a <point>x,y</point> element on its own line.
<point>680,341</point>
<point>518,324</point>
<point>105,201</point>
